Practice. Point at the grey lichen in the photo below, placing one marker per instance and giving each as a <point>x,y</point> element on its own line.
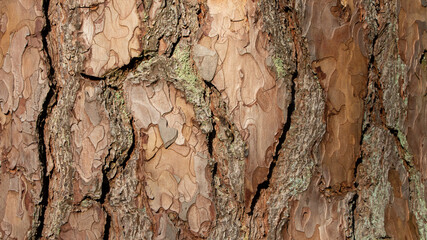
<point>295,163</point>
<point>136,223</point>
<point>394,103</point>
<point>375,189</point>
<point>120,130</point>
<point>281,48</point>
<point>418,203</point>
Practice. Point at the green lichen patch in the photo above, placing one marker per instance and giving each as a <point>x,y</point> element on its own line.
<point>180,71</point>
<point>188,81</point>
<point>279,66</point>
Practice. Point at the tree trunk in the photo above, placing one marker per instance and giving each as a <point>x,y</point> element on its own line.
<point>217,119</point>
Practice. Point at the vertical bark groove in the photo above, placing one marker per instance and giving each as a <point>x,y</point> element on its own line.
<point>41,123</point>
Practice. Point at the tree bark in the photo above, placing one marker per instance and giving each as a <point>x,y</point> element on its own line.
<point>217,119</point>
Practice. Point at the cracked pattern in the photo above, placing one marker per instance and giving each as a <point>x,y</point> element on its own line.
<point>175,173</point>
<point>90,140</point>
<point>382,186</point>
<point>245,82</point>
<point>218,119</point>
<point>23,84</point>
<point>111,34</point>
<point>127,205</point>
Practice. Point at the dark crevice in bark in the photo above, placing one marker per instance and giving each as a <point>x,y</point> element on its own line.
<point>402,150</point>
<point>105,187</point>
<point>129,153</point>
<point>358,162</point>
<point>107,227</point>
<point>41,123</point>
<point>135,62</point>
<point>106,182</point>
<point>214,169</point>
<point>369,109</point>
<point>378,98</point>
<point>212,134</point>
<point>132,146</point>
<point>282,139</point>
<point>211,137</point>
<point>423,56</point>
<point>121,162</point>
<point>173,47</point>
<point>365,128</point>
<point>288,9</point>
<point>291,107</point>
<point>93,78</point>
<point>211,85</point>
<point>115,77</point>
<point>353,204</point>
<point>393,131</point>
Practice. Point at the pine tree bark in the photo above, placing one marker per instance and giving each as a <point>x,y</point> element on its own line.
<point>217,119</point>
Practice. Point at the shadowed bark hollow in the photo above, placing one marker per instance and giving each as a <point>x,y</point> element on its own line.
<point>213,119</point>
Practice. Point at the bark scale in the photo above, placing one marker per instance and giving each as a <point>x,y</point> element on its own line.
<point>217,119</point>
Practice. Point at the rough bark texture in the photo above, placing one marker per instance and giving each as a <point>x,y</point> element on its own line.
<point>217,119</point>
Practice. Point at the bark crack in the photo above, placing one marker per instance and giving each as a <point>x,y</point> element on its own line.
<point>107,226</point>
<point>40,127</point>
<point>370,108</point>
<point>286,127</point>
<point>90,77</point>
<point>212,134</point>
<point>125,132</point>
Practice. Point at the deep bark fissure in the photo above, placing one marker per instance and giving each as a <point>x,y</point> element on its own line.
<point>353,203</point>
<point>211,135</point>
<point>115,77</point>
<point>359,161</point>
<point>106,182</point>
<point>107,226</point>
<point>129,152</point>
<point>369,109</point>
<point>211,85</point>
<point>286,127</point>
<point>118,76</point>
<point>93,126</point>
<point>90,77</point>
<point>371,67</point>
<point>41,123</point>
<point>91,6</point>
<point>105,187</point>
